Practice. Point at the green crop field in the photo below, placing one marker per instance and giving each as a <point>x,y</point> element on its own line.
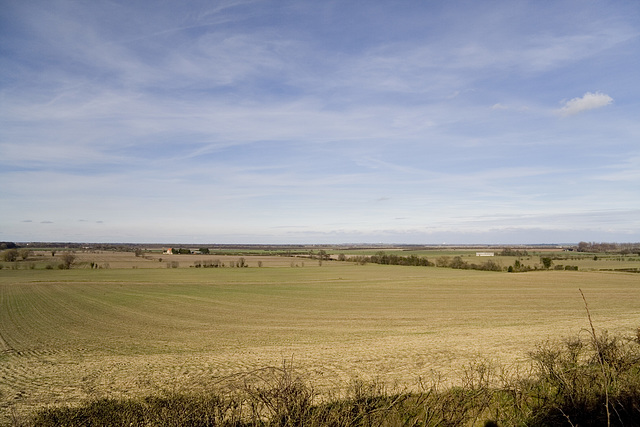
<point>71,335</point>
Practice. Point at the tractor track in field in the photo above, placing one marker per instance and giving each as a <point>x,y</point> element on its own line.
<point>5,347</point>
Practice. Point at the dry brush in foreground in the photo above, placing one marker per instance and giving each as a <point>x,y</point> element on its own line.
<point>591,380</point>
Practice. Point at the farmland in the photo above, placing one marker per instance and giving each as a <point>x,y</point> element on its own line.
<point>134,327</point>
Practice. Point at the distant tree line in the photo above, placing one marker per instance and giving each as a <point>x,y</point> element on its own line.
<point>390,259</point>
<point>11,255</point>
<point>458,263</point>
<point>186,251</point>
<point>322,255</point>
<point>546,262</point>
<point>621,248</point>
<point>180,251</point>
<point>414,260</point>
<point>513,252</point>
<point>216,263</point>
<point>7,245</point>
<point>16,253</point>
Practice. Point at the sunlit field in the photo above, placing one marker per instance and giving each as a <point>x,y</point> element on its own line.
<point>71,335</point>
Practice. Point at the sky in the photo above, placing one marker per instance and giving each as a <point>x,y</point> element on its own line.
<point>239,121</point>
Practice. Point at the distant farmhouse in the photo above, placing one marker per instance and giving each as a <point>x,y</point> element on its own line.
<point>485,254</point>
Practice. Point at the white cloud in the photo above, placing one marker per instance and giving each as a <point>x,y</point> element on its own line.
<point>589,101</point>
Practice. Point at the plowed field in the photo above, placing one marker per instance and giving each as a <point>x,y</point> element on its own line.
<point>69,335</point>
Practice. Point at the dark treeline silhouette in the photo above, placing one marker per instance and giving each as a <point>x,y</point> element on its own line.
<point>392,259</point>
<point>7,245</point>
<point>414,260</point>
<point>458,263</point>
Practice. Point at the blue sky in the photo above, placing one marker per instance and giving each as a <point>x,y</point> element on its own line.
<point>320,121</point>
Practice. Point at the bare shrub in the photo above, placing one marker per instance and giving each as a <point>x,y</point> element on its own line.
<point>68,259</point>
<point>10,255</point>
<point>25,253</point>
<point>279,394</point>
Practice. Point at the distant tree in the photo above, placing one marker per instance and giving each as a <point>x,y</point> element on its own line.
<point>68,259</point>
<point>546,262</point>
<point>138,252</point>
<point>457,262</point>
<point>10,255</point>
<point>443,261</point>
<point>583,247</point>
<point>490,265</point>
<point>24,253</point>
<point>53,253</point>
<point>512,252</point>
<point>342,257</point>
<point>204,251</point>
<point>518,266</point>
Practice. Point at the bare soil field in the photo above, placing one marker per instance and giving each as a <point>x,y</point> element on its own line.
<point>71,335</point>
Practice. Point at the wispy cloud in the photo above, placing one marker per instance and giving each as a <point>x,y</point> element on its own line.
<point>331,118</point>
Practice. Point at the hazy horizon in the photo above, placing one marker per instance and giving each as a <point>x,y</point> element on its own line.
<point>339,244</point>
<point>292,122</point>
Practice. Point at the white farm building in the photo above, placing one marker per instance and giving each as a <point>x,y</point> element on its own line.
<point>485,254</point>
